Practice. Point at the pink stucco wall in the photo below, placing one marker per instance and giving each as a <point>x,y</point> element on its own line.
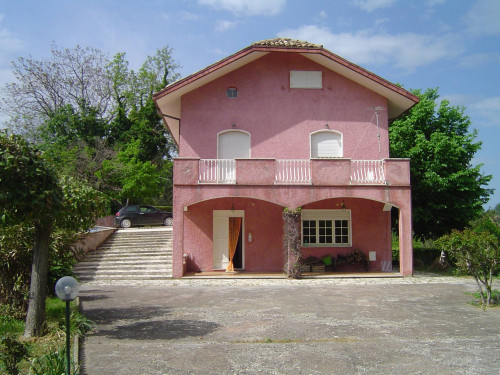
<point>279,119</point>
<point>370,232</point>
<point>261,219</point>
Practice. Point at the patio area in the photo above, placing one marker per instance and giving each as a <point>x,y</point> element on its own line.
<point>279,275</point>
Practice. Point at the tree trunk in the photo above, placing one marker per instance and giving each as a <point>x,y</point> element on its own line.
<point>35,319</point>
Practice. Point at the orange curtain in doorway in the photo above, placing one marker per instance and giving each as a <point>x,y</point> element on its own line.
<point>234,235</point>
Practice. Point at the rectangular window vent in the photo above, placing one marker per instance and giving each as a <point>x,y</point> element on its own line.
<point>232,92</point>
<point>301,79</point>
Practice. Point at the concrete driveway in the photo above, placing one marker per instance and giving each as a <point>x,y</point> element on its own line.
<point>402,326</point>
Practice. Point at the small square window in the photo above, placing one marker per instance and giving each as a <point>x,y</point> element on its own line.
<point>232,92</point>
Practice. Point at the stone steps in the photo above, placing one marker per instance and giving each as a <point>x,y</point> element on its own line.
<point>129,255</point>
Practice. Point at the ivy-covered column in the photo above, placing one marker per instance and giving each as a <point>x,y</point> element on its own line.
<point>291,242</point>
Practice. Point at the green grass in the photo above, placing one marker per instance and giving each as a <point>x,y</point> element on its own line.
<point>10,326</point>
<point>495,298</point>
<point>54,339</point>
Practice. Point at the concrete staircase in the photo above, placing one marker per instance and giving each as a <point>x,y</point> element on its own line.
<point>128,256</point>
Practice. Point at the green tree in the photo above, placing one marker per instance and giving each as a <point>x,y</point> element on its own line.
<point>69,76</point>
<point>447,190</point>
<point>476,251</point>
<point>32,194</point>
<point>82,110</point>
<point>139,180</point>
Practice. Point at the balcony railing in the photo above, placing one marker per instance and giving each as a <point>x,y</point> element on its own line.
<point>367,171</point>
<point>320,172</point>
<point>217,171</point>
<point>293,172</point>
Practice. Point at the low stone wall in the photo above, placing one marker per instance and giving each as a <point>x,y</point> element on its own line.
<point>92,240</point>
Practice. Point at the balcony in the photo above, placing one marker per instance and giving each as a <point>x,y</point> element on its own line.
<point>319,172</point>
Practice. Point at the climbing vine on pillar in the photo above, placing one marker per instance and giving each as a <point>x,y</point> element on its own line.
<point>291,242</point>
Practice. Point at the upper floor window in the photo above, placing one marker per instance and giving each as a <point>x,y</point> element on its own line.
<point>232,92</point>
<point>326,144</point>
<point>232,144</point>
<point>301,79</point>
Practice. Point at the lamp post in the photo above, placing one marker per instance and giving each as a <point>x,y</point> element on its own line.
<point>67,289</point>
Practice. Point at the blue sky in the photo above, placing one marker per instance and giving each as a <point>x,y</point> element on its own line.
<point>450,44</point>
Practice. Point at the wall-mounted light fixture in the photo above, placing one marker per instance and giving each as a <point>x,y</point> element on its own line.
<point>342,205</point>
<point>234,125</point>
<point>250,237</point>
<point>326,126</point>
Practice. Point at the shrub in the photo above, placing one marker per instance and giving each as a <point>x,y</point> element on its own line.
<point>12,352</point>
<point>53,363</point>
<point>15,267</point>
<point>476,251</point>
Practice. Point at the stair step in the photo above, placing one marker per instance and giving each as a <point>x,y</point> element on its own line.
<point>86,266</point>
<point>130,255</point>
<point>145,253</point>
<point>125,278</point>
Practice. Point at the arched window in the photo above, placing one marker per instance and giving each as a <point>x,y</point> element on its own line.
<point>232,144</point>
<point>326,144</point>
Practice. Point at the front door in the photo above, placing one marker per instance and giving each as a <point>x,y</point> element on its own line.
<point>221,239</point>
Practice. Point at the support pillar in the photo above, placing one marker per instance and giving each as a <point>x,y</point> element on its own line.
<point>405,241</point>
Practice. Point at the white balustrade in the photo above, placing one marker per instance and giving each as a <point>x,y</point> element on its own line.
<point>293,172</point>
<point>217,171</point>
<point>367,171</point>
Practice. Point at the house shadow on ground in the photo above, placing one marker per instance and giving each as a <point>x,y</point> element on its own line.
<point>144,323</point>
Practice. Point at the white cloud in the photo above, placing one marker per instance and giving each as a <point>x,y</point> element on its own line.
<point>431,3</point>
<point>9,45</point>
<point>371,5</point>
<point>181,17</point>
<point>223,25</point>
<point>486,111</point>
<point>483,18</point>
<point>8,42</point>
<point>248,8</point>
<point>483,112</point>
<point>479,59</point>
<point>186,16</point>
<point>380,21</point>
<point>405,51</point>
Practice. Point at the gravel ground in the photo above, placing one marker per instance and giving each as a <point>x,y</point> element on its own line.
<point>419,325</point>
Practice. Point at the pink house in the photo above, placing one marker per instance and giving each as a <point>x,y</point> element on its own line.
<point>284,123</point>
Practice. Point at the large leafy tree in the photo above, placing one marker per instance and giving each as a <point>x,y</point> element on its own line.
<point>70,76</point>
<point>85,111</point>
<point>448,191</point>
<point>32,195</point>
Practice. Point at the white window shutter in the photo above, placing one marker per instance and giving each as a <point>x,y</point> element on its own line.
<point>234,144</point>
<point>300,79</point>
<point>326,144</point>
<point>314,80</point>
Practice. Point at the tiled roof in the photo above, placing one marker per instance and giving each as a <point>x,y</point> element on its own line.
<point>286,42</point>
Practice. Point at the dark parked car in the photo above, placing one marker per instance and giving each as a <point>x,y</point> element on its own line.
<point>142,215</point>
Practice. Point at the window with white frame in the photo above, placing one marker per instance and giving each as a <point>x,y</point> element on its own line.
<point>321,228</point>
<point>302,79</point>
<point>326,144</point>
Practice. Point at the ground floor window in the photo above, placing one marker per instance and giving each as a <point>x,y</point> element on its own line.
<point>326,228</point>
